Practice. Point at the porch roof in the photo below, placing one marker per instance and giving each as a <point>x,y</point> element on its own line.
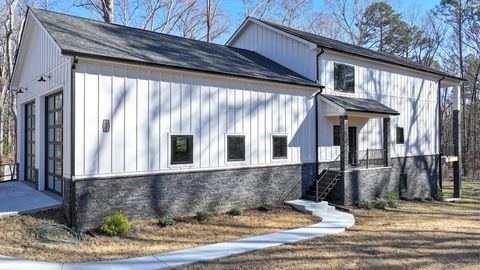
<point>359,105</point>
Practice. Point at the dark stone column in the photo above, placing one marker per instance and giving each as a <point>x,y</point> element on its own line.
<point>343,142</point>
<point>386,140</point>
<point>457,148</point>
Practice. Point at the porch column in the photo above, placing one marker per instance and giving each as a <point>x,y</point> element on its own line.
<point>343,142</point>
<point>386,140</point>
<point>457,147</point>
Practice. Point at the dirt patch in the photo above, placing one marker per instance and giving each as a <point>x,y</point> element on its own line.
<point>418,235</point>
<point>17,235</point>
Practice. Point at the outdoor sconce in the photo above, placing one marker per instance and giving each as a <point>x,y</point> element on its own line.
<point>106,125</point>
<point>20,90</point>
<point>42,78</point>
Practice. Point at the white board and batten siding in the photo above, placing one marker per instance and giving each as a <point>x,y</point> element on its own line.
<point>147,105</point>
<point>410,92</point>
<point>40,55</point>
<point>288,51</point>
<point>413,94</point>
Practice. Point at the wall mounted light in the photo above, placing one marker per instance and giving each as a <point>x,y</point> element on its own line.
<point>42,78</point>
<point>106,125</point>
<point>20,90</point>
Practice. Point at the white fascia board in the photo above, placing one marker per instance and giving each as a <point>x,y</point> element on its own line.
<point>253,20</point>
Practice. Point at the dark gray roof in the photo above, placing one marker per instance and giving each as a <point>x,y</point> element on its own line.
<point>360,105</point>
<point>85,37</point>
<point>344,47</point>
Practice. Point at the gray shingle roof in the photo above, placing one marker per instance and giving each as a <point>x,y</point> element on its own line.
<point>336,45</point>
<point>85,37</point>
<point>360,105</point>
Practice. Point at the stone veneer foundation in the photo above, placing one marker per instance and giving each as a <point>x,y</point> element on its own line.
<point>368,184</point>
<point>150,196</point>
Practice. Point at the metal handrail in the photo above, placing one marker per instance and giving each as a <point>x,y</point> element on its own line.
<point>330,164</point>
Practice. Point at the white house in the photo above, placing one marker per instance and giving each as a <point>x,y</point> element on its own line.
<point>117,118</point>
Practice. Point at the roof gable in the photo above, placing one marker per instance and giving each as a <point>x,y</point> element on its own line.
<point>342,47</point>
<point>85,37</point>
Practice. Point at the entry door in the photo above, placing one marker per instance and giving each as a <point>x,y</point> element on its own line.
<point>54,142</point>
<point>352,146</point>
<point>30,172</point>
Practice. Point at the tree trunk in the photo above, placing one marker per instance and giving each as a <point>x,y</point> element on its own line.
<point>108,15</point>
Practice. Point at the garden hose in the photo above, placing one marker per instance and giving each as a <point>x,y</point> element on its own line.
<point>43,231</point>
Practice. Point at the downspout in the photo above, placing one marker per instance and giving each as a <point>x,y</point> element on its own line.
<point>439,100</point>
<point>72,221</point>
<point>317,165</point>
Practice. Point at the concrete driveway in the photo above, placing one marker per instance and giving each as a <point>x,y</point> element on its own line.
<point>17,197</point>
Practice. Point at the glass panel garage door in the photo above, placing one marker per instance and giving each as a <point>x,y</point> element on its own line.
<point>54,141</point>
<point>30,172</point>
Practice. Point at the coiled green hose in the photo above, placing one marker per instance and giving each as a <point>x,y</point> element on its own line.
<point>42,232</point>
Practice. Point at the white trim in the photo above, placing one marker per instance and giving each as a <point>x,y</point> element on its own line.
<point>281,159</point>
<point>169,149</point>
<point>211,169</point>
<point>237,162</point>
<point>242,27</point>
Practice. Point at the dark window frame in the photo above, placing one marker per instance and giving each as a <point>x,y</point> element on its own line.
<point>56,142</point>
<point>400,139</point>
<point>336,135</point>
<point>337,85</point>
<point>282,136</point>
<point>242,159</point>
<point>173,160</point>
<point>30,145</point>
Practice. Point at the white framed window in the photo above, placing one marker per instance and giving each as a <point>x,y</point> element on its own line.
<point>180,149</point>
<point>279,146</point>
<point>236,148</point>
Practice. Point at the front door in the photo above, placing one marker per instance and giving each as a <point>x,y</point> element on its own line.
<point>352,146</point>
<point>30,172</point>
<point>54,142</point>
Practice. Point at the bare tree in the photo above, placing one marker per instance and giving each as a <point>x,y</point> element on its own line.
<point>100,8</point>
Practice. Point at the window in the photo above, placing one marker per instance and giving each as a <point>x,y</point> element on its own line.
<point>344,78</point>
<point>182,149</point>
<point>336,135</point>
<point>279,146</point>
<point>235,148</point>
<point>400,138</point>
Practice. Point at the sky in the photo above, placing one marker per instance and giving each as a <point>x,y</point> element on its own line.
<point>234,8</point>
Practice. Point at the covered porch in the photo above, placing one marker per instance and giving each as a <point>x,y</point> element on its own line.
<point>353,152</point>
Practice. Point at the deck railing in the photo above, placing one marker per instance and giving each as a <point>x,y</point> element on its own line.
<point>368,158</point>
<point>8,172</point>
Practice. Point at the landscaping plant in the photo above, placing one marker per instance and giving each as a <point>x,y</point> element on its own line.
<point>265,207</point>
<point>202,216</point>
<point>364,204</point>
<point>438,196</point>
<point>115,224</point>
<point>166,221</point>
<point>235,211</point>
<point>379,204</point>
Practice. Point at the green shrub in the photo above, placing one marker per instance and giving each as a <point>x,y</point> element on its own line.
<point>392,203</point>
<point>379,204</point>
<point>364,204</point>
<point>235,211</point>
<point>265,207</point>
<point>394,196</point>
<point>115,224</point>
<point>438,196</point>
<point>202,216</point>
<point>166,221</point>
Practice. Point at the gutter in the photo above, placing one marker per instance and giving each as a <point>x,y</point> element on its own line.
<point>317,165</point>
<point>439,99</point>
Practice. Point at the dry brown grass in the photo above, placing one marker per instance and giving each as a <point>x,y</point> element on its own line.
<point>418,235</point>
<point>17,235</point>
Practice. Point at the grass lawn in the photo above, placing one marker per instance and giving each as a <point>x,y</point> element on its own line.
<point>17,235</point>
<point>418,235</point>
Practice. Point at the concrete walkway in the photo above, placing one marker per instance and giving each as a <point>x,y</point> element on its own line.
<point>17,197</point>
<point>333,222</point>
